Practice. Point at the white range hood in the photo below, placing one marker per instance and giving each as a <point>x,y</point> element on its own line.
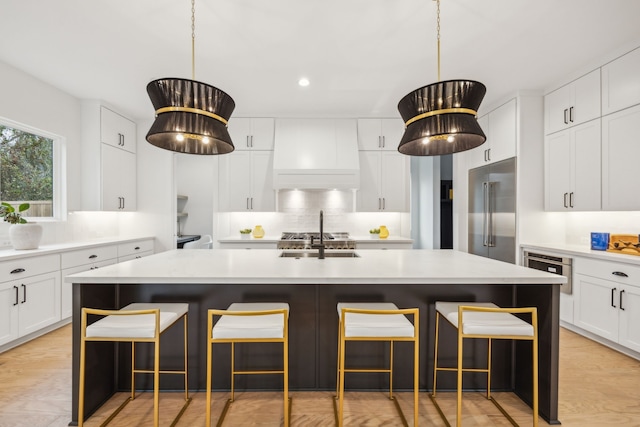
<point>316,154</point>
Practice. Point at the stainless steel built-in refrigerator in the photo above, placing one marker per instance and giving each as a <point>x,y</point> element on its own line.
<point>492,211</point>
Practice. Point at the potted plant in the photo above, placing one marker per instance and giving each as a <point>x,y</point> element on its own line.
<point>245,233</point>
<point>23,234</point>
<point>374,233</point>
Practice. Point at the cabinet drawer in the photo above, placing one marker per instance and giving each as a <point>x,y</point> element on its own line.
<point>608,270</point>
<point>27,267</point>
<point>132,248</point>
<point>88,256</point>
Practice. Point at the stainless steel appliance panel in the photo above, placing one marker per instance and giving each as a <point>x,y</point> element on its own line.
<point>492,211</point>
<point>562,266</point>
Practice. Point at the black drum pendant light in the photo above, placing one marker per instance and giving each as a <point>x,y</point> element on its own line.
<point>441,118</point>
<point>191,116</point>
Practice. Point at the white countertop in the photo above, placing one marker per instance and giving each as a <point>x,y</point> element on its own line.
<point>10,254</point>
<point>374,266</point>
<point>583,251</point>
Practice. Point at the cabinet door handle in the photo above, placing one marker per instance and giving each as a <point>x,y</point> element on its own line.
<point>252,203</point>
<point>620,273</point>
<point>485,156</point>
<point>93,256</point>
<point>24,294</point>
<point>137,248</point>
<point>123,200</point>
<point>613,291</point>
<point>384,142</point>
<point>251,141</point>
<point>566,205</point>
<point>620,300</point>
<point>566,121</point>
<point>16,288</point>
<point>384,203</point>
<point>18,270</point>
<point>571,199</point>
<point>571,114</point>
<point>489,154</point>
<point>247,142</point>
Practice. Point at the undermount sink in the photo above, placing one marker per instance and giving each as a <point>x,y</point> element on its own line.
<point>314,254</point>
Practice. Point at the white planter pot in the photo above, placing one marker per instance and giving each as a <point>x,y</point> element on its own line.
<point>374,236</point>
<point>245,236</point>
<point>25,236</point>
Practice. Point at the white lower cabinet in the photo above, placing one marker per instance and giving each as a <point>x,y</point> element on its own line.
<point>608,301</point>
<point>30,299</point>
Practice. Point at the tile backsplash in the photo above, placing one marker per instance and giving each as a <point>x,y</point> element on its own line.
<point>298,210</point>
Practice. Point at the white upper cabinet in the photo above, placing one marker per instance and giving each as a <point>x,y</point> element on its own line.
<point>117,130</point>
<point>384,182</point>
<point>620,154</point>
<point>572,169</point>
<point>379,134</point>
<point>108,160</point>
<point>246,182</point>
<point>252,133</point>
<point>572,104</point>
<point>621,83</point>
<point>499,126</point>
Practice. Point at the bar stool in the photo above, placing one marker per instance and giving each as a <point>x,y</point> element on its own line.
<point>135,323</point>
<point>485,320</point>
<point>249,323</point>
<point>376,322</point>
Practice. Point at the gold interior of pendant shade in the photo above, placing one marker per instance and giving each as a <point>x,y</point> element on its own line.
<point>191,116</point>
<point>441,118</point>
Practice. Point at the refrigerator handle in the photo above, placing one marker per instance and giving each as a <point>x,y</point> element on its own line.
<point>490,196</point>
<point>485,214</point>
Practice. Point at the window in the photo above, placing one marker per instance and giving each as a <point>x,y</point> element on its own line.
<point>31,170</point>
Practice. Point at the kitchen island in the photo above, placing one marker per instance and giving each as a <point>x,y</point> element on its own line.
<point>312,287</point>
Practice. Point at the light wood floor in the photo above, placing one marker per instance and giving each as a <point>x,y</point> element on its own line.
<point>598,387</point>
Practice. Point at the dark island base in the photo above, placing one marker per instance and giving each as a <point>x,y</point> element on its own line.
<point>313,327</point>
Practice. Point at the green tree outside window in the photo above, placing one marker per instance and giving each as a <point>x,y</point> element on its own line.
<point>26,170</point>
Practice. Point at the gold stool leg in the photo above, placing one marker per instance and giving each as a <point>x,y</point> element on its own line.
<point>489,369</point>
<point>208,398</point>
<point>435,355</point>
<point>459,383</point>
<point>341,375</point>
<point>535,368</point>
<point>285,349</point>
<point>82,368</point>
<point>390,369</point>
<point>156,383</point>
<point>133,368</point>
<point>416,368</point>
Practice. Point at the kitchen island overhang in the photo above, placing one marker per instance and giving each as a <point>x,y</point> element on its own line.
<point>410,278</point>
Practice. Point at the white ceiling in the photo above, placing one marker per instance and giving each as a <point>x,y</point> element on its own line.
<point>362,56</point>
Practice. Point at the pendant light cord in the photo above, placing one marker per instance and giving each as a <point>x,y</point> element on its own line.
<point>438,38</point>
<point>193,39</point>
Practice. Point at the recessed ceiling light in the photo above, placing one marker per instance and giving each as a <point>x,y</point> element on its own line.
<point>304,82</point>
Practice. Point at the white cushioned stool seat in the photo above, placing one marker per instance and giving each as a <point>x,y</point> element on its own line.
<point>139,325</point>
<point>374,325</point>
<point>483,323</point>
<point>251,327</point>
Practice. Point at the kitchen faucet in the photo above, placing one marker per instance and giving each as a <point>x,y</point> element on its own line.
<point>320,246</point>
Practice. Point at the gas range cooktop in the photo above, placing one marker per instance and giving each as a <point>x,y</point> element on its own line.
<point>302,240</point>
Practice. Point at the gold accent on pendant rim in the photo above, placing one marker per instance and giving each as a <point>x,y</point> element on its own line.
<point>191,110</point>
<point>438,112</point>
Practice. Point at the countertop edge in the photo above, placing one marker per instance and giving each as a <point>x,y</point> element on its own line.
<point>11,254</point>
<point>583,251</point>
